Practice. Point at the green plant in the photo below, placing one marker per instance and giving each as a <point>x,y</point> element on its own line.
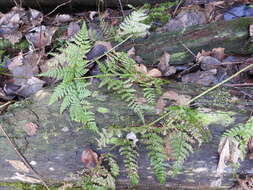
<point>241,134</point>
<point>119,75</point>
<point>159,13</point>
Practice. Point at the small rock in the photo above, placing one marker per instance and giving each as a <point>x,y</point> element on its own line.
<point>208,63</point>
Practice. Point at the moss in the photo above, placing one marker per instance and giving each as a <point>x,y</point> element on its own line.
<point>159,13</point>
<point>26,186</point>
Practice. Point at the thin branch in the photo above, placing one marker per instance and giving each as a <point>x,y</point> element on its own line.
<point>188,49</point>
<point>58,8</point>
<point>121,8</point>
<point>14,146</point>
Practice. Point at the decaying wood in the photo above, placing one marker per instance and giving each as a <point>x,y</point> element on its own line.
<point>232,35</point>
<point>56,147</point>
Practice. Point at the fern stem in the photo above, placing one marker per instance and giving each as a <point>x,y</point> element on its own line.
<point>204,93</point>
<point>102,76</point>
<point>110,50</point>
<point>219,84</point>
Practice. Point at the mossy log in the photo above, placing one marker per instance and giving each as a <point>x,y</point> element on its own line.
<point>232,35</point>
<point>55,148</point>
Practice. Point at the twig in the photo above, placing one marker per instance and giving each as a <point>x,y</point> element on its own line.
<point>240,85</point>
<point>14,146</point>
<point>188,49</point>
<point>174,12</point>
<point>58,8</point>
<point>121,8</point>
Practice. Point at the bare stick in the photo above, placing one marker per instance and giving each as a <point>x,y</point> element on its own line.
<point>14,146</point>
<point>58,7</point>
<point>121,8</point>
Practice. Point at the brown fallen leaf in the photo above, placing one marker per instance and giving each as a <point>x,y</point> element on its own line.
<point>229,151</point>
<point>218,53</point>
<point>141,68</point>
<point>171,95</point>
<point>164,62</point>
<point>154,73</point>
<point>89,158</point>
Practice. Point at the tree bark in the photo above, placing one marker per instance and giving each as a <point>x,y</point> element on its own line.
<point>232,35</point>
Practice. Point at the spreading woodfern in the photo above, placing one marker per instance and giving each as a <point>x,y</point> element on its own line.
<point>70,64</point>
<point>241,134</point>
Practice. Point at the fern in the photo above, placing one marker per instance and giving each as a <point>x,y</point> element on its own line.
<point>241,134</point>
<point>132,25</point>
<point>130,160</point>
<point>157,157</point>
<point>184,127</point>
<point>74,93</point>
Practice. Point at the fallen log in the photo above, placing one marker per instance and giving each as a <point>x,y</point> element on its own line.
<point>54,148</point>
<point>232,35</point>
<point>71,4</point>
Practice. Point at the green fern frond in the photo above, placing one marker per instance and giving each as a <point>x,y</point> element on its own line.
<point>241,134</point>
<point>155,147</point>
<point>130,160</point>
<point>184,127</point>
<point>132,24</point>
<point>181,149</point>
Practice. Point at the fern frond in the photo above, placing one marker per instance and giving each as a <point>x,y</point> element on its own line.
<point>130,160</point>
<point>132,24</point>
<point>155,147</point>
<point>181,149</point>
<point>241,134</point>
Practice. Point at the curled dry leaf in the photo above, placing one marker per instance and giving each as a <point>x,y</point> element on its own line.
<point>228,151</point>
<point>141,68</point>
<point>154,73</point>
<point>164,62</point>
<point>251,30</point>
<point>89,158</point>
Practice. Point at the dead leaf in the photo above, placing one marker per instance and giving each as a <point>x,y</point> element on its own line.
<point>40,36</point>
<point>31,128</point>
<point>171,95</point>
<point>89,158</point>
<point>62,18</point>
<point>251,30</point>
<point>19,166</point>
<point>141,68</point>
<point>229,151</point>
<point>218,53</point>
<point>164,62</point>
<point>131,52</point>
<point>154,73</point>
<point>16,61</point>
<point>73,28</point>
<point>66,186</point>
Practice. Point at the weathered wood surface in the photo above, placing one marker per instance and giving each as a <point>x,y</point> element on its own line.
<point>232,35</point>
<point>58,143</point>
